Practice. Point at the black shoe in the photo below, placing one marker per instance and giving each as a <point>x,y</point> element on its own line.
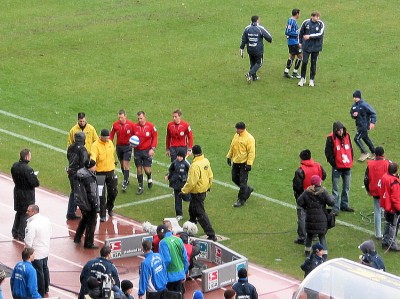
<point>286,75</point>
<point>299,241</point>
<point>139,191</point>
<point>150,184</point>
<point>73,217</point>
<point>347,209</point>
<point>238,204</point>
<point>212,238</point>
<point>91,246</point>
<point>110,213</point>
<point>102,219</point>
<point>250,191</point>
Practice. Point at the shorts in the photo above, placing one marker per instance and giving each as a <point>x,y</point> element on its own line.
<point>124,152</point>
<point>142,158</point>
<point>294,49</point>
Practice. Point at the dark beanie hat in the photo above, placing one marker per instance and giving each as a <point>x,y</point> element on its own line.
<point>92,282</point>
<point>379,151</point>
<point>242,273</point>
<point>104,133</point>
<point>181,153</point>
<point>196,150</point>
<point>316,180</point>
<point>305,155</point>
<point>126,285</point>
<point>357,94</point>
<point>240,125</point>
<point>317,246</point>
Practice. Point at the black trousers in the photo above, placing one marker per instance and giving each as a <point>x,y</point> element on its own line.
<point>240,177</point>
<point>43,275</point>
<point>256,61</point>
<point>87,225</point>
<point>198,213</point>
<point>111,186</point>
<point>18,229</point>
<point>313,68</point>
<point>363,135</point>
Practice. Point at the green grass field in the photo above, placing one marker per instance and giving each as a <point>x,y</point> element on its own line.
<point>62,57</point>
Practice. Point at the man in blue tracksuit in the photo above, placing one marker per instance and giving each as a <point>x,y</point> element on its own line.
<point>23,278</point>
<point>365,117</point>
<point>311,38</point>
<point>253,36</point>
<point>153,273</point>
<point>292,35</point>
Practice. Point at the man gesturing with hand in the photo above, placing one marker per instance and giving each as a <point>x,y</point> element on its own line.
<point>240,157</point>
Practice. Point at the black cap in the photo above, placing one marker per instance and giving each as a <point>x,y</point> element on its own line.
<point>105,133</point>
<point>196,150</point>
<point>357,94</point>
<point>240,125</point>
<point>162,228</point>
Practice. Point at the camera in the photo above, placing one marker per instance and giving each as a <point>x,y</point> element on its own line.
<point>106,284</point>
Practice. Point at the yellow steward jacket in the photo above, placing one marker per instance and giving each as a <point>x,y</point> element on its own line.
<point>200,176</point>
<point>243,148</point>
<point>90,135</point>
<point>103,154</point>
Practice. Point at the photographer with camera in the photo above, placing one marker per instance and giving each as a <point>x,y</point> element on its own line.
<point>102,269</point>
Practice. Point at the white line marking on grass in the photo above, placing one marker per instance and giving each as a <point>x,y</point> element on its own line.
<point>34,141</point>
<point>273,200</point>
<point>142,201</point>
<point>33,122</point>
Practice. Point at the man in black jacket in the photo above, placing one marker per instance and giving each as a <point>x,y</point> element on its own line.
<point>87,198</point>
<point>311,38</point>
<point>77,156</point>
<point>253,36</point>
<point>25,180</point>
<point>243,288</point>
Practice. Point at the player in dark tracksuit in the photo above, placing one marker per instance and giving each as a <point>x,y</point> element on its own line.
<point>253,37</point>
<point>365,117</point>
<point>311,38</point>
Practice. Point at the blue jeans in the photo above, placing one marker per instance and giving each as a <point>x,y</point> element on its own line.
<point>377,217</point>
<point>341,202</point>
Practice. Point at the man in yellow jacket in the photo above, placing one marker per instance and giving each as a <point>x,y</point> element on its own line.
<point>103,153</point>
<point>241,156</point>
<point>200,178</point>
<point>83,126</point>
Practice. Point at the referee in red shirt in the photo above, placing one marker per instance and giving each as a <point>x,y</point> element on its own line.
<point>144,152</point>
<point>123,128</point>
<point>179,136</point>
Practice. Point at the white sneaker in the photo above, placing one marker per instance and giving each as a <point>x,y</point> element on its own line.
<point>363,157</point>
<point>301,82</point>
<point>179,217</point>
<point>249,78</point>
<point>311,83</point>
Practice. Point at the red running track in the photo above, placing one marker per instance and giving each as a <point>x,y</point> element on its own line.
<point>67,259</point>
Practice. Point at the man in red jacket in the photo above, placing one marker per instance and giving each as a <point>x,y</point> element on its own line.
<point>390,201</point>
<point>179,136</point>
<point>339,154</point>
<point>144,152</point>
<point>375,170</point>
<point>123,128</point>
<point>301,181</point>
